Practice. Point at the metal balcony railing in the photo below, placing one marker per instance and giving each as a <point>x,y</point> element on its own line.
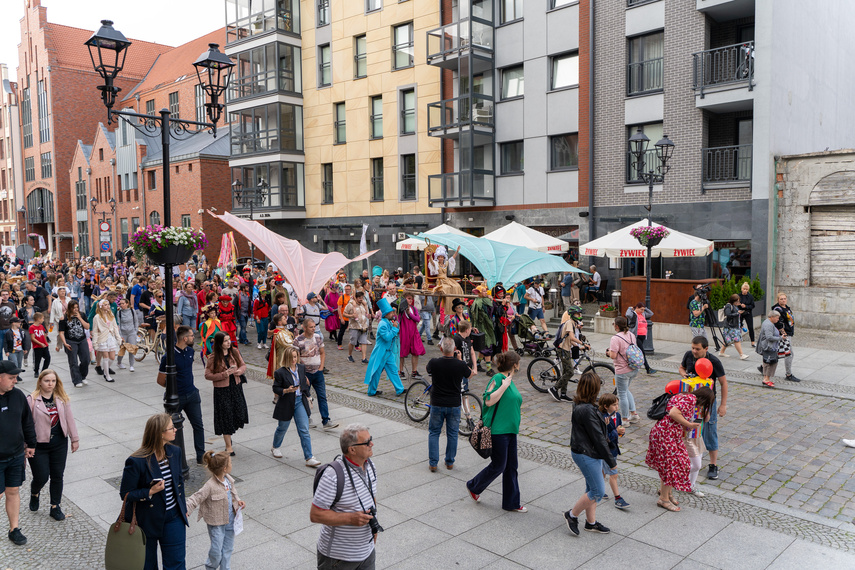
<point>645,76</point>
<point>465,188</point>
<point>452,38</point>
<point>727,164</point>
<point>634,3</point>
<point>472,109</point>
<point>650,162</point>
<point>723,66</point>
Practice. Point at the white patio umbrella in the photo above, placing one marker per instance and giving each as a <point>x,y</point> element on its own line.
<point>621,244</point>
<point>518,234</point>
<point>416,244</point>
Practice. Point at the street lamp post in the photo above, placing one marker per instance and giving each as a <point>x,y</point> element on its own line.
<point>250,197</point>
<point>107,50</point>
<point>650,174</point>
<point>104,213</point>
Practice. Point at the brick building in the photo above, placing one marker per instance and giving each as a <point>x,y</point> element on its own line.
<point>59,105</point>
<point>11,179</point>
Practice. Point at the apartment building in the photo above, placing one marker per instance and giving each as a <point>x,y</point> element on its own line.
<point>11,179</point>
<point>330,111</point>
<point>59,105</point>
<point>513,116</point>
<point>734,84</point>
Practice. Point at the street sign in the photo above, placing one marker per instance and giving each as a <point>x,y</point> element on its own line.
<point>104,226</point>
<point>105,246</point>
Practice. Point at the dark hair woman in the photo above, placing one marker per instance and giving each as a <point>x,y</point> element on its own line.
<point>72,335</point>
<point>589,448</point>
<point>153,479</point>
<point>503,415</point>
<point>225,368</point>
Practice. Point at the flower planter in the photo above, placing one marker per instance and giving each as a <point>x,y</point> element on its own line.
<point>608,314</point>
<point>651,242</point>
<point>173,254</point>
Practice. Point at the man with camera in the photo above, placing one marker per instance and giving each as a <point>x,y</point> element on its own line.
<point>344,504</point>
<point>697,310</point>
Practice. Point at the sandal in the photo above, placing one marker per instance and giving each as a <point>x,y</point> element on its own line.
<point>768,383</point>
<point>668,506</point>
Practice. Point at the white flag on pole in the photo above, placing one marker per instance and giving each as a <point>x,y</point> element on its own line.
<point>42,242</point>
<point>363,244</point>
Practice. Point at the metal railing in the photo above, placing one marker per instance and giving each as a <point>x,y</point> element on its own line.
<point>456,36</point>
<point>472,109</point>
<point>467,188</point>
<point>722,66</point>
<point>634,3</point>
<point>727,164</point>
<point>650,162</point>
<point>645,76</point>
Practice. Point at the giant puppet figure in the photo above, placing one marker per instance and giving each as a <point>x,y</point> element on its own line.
<point>441,265</point>
<point>385,353</point>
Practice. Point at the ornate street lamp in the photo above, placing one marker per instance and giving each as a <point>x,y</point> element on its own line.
<point>654,174</point>
<point>213,70</point>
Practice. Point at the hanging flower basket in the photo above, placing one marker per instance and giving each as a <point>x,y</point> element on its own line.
<point>649,236</point>
<point>167,245</point>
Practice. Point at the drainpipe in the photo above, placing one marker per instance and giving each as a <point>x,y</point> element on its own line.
<point>591,221</point>
<point>772,264</point>
<point>89,217</point>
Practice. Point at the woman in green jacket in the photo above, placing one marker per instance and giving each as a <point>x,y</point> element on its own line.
<point>502,416</point>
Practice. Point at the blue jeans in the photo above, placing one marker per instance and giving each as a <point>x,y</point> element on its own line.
<point>189,321</point>
<point>17,358</point>
<point>625,399</point>
<point>592,470</point>
<point>711,428</point>
<point>424,324</point>
<point>316,381</point>
<point>191,405</point>
<point>504,462</point>
<point>261,329</point>
<point>222,544</point>
<point>301,418</point>
<point>451,418</point>
<point>173,544</point>
<point>241,322</point>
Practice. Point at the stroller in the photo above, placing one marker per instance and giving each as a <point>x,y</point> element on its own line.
<point>533,341</point>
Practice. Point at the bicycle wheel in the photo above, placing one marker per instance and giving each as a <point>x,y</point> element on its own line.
<point>470,413</point>
<point>159,347</point>
<point>142,343</point>
<point>543,373</point>
<point>606,372</point>
<point>417,401</point>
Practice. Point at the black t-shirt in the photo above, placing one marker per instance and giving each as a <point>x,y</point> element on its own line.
<point>464,345</point>
<point>419,280</point>
<point>40,295</point>
<point>73,329</point>
<point>448,374</point>
<point>717,367</point>
<point>145,299</point>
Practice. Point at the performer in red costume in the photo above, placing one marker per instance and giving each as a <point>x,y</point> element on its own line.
<point>227,316</point>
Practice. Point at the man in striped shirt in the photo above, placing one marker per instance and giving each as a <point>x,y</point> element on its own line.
<point>346,541</point>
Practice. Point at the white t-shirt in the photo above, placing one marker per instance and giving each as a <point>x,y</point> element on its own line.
<point>596,279</point>
<point>536,297</point>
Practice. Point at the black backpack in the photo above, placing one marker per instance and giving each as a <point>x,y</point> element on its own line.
<point>339,477</point>
<point>660,404</point>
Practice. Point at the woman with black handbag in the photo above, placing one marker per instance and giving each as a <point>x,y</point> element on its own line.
<point>732,332</point>
<point>153,479</point>
<point>767,347</point>
<point>226,369</point>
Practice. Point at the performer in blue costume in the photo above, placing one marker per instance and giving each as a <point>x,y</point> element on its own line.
<point>385,353</point>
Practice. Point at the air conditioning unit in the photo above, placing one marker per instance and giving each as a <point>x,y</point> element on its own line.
<point>402,235</point>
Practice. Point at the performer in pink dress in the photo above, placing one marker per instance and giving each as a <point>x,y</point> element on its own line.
<point>411,340</point>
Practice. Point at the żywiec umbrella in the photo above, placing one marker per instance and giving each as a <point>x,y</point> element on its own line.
<point>518,234</point>
<point>305,270</point>
<point>620,243</point>
<point>500,262</point>
<point>418,244</point>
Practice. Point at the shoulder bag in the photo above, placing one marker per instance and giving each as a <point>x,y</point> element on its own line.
<point>658,409</point>
<point>481,438</point>
<point>125,543</point>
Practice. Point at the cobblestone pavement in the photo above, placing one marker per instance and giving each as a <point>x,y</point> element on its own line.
<point>778,445</point>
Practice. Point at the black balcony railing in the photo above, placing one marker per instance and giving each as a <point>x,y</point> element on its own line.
<point>634,3</point>
<point>727,164</point>
<point>473,109</point>
<point>650,162</point>
<point>465,188</point>
<point>722,66</point>
<point>645,76</point>
<point>457,36</point>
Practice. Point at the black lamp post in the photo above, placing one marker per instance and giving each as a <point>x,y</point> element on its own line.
<point>107,50</point>
<point>653,174</point>
<point>250,197</point>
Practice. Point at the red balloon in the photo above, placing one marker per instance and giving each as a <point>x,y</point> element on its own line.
<point>703,368</point>
<point>673,387</point>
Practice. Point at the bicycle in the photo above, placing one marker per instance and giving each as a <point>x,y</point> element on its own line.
<point>417,406</point>
<point>145,344</point>
<point>543,373</point>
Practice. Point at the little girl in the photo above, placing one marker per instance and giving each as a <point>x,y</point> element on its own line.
<point>694,443</point>
<point>609,406</point>
<point>218,504</point>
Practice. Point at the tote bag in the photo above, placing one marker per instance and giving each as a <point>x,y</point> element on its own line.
<point>125,543</point>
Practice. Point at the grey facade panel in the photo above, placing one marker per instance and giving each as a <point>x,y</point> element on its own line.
<point>510,122</point>
<point>562,30</point>
<point>510,45</point>
<point>562,109</point>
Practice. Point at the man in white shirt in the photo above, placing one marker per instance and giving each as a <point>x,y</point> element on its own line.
<point>534,296</point>
<point>593,282</point>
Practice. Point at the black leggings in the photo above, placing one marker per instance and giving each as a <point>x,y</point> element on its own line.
<point>639,341</point>
<point>49,462</point>
<point>340,334</point>
<point>748,320</point>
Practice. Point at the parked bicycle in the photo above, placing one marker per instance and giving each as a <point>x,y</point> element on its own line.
<point>146,344</point>
<point>543,373</point>
<point>417,406</point>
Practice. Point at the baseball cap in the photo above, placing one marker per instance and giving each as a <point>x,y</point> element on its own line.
<point>310,296</point>
<point>8,367</point>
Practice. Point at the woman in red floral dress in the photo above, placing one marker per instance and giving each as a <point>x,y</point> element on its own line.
<point>666,452</point>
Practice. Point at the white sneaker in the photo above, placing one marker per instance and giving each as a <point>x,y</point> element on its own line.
<point>698,493</point>
<point>312,462</point>
<point>85,382</point>
<point>744,357</point>
<point>78,385</point>
<point>122,366</point>
<point>259,346</point>
<point>264,346</point>
<point>276,453</point>
<point>131,368</point>
<point>577,371</point>
<point>848,442</point>
<point>330,425</point>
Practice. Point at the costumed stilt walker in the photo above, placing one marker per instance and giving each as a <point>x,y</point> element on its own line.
<point>442,265</point>
<point>385,353</point>
<point>482,312</point>
<point>209,327</point>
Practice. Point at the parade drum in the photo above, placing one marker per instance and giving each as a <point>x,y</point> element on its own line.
<point>478,342</point>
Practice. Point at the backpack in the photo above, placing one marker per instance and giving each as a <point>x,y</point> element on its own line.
<point>633,355</point>
<point>339,477</point>
<point>657,410</point>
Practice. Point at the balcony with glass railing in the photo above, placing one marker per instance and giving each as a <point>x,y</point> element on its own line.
<point>727,165</point>
<point>446,44</point>
<point>249,18</point>
<point>448,117</point>
<point>462,189</point>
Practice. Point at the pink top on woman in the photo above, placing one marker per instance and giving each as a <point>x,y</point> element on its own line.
<point>642,324</point>
<point>617,348</point>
